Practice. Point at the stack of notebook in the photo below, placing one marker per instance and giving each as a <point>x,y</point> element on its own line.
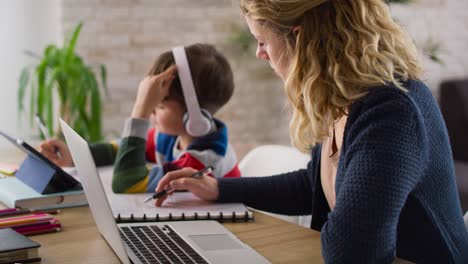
<point>15,193</point>
<point>16,248</point>
<point>28,222</point>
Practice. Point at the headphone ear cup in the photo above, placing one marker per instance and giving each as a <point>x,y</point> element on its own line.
<point>206,114</point>
<point>210,119</point>
<point>185,119</point>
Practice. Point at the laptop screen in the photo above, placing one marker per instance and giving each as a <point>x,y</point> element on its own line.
<point>94,191</point>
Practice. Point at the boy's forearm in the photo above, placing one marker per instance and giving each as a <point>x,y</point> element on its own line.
<point>130,172</point>
<point>104,153</point>
<point>130,166</point>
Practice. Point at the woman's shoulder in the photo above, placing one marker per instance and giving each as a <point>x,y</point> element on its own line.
<point>389,96</point>
<point>389,116</point>
<point>391,109</point>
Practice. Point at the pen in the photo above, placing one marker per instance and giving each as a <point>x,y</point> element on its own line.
<point>41,126</point>
<point>44,131</point>
<point>197,174</point>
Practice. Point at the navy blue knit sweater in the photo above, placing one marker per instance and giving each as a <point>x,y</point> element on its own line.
<point>395,185</point>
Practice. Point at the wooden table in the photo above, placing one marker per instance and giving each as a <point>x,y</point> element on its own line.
<point>80,242</point>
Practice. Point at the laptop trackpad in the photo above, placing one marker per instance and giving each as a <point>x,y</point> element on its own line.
<point>215,242</point>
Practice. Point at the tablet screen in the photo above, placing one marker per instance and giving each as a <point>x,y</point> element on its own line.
<point>28,149</point>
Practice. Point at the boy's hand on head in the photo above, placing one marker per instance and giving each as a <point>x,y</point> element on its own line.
<point>50,149</point>
<point>151,92</point>
<point>204,187</point>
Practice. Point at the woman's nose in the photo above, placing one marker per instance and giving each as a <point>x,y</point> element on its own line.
<point>261,53</point>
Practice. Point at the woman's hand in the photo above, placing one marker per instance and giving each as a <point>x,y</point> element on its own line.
<point>205,187</point>
<point>151,92</point>
<point>57,152</point>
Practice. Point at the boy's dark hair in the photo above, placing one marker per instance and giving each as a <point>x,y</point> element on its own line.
<point>211,74</point>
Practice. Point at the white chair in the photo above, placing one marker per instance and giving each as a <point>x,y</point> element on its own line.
<point>269,160</point>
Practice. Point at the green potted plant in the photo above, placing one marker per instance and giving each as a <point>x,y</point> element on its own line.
<point>63,73</point>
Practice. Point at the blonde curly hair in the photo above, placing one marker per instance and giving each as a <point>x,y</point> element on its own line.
<point>343,49</point>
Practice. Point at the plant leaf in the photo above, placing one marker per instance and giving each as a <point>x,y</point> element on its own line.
<point>95,111</point>
<point>23,83</point>
<point>103,70</point>
<point>41,71</point>
<point>32,101</point>
<point>71,45</point>
<point>49,102</point>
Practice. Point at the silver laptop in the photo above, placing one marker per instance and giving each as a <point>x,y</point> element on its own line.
<point>162,242</point>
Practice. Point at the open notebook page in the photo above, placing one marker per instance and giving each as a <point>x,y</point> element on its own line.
<point>177,206</point>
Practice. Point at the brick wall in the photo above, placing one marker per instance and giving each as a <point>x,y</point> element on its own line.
<point>127,35</point>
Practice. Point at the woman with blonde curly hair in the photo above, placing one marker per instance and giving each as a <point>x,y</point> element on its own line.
<point>381,181</point>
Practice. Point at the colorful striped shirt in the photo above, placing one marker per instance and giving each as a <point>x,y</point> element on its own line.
<point>139,145</point>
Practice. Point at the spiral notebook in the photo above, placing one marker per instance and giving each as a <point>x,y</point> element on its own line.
<point>179,206</point>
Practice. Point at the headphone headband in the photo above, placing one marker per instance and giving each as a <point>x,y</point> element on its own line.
<point>196,124</point>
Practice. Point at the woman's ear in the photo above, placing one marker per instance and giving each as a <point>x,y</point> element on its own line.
<point>296,30</point>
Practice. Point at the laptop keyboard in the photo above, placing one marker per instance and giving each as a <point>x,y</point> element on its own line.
<point>154,244</point>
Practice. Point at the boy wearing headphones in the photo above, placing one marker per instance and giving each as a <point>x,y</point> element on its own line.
<point>179,95</point>
<point>181,92</point>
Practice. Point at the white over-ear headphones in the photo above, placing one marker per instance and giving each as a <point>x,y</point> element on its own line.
<point>198,122</point>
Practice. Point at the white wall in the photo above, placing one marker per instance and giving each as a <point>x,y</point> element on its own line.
<point>24,25</point>
<point>446,22</point>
